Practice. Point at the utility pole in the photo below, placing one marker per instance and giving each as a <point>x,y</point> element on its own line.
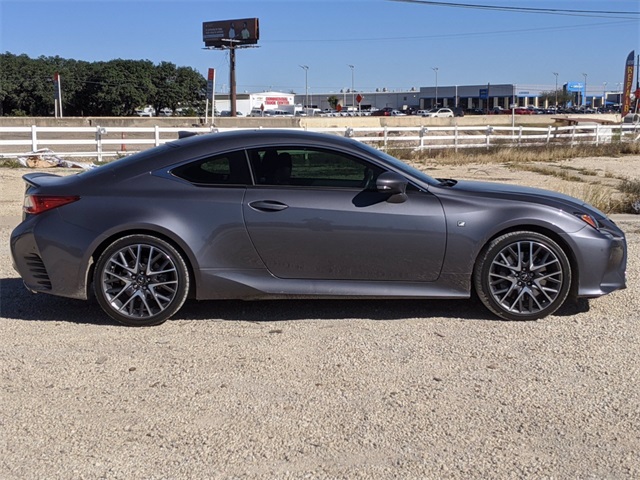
<point>435,69</point>
<point>306,85</point>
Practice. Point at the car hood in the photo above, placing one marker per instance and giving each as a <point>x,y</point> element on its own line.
<point>528,194</point>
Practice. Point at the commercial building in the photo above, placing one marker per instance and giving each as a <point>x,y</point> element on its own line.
<point>469,97</point>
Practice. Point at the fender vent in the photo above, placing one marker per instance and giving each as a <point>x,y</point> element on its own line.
<point>39,272</point>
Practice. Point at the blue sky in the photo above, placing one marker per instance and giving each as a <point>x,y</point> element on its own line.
<point>391,44</point>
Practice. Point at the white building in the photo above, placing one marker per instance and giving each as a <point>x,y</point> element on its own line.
<point>266,101</point>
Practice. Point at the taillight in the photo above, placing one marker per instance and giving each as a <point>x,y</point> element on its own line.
<point>35,204</point>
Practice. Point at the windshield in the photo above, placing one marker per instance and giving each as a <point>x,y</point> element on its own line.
<point>400,165</point>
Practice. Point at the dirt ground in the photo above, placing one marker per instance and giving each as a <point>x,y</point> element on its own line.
<point>323,389</point>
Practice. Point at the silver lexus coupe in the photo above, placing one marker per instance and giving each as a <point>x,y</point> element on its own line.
<point>289,214</point>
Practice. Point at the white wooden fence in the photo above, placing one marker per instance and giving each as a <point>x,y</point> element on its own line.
<point>99,142</point>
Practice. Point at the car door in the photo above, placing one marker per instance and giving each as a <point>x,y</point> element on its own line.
<point>321,218</point>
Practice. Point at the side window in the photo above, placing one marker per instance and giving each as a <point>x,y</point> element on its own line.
<point>227,169</point>
<point>312,167</point>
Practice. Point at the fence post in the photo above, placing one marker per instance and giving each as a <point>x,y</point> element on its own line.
<point>157,135</point>
<point>99,132</point>
<point>488,136</point>
<point>520,135</point>
<point>548,134</point>
<point>386,132</point>
<point>34,138</point>
<point>423,132</point>
<point>597,134</point>
<point>573,135</point>
<point>455,139</point>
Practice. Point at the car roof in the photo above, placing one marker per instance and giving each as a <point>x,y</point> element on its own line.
<point>211,143</point>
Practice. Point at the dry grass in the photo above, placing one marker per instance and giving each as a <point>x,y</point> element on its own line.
<point>631,188</point>
<point>600,190</point>
<point>508,155</point>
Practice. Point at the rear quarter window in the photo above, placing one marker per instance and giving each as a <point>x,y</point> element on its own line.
<point>226,169</point>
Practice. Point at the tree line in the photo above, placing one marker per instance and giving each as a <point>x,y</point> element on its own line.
<point>113,88</point>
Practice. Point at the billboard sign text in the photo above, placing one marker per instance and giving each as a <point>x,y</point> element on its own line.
<point>225,33</point>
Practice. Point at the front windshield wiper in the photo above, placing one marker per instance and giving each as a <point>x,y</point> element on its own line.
<point>447,182</point>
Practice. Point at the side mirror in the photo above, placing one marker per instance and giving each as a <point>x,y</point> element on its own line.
<point>394,185</point>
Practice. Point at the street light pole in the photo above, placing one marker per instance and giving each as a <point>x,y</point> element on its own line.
<point>604,95</point>
<point>585,89</point>
<point>306,85</point>
<point>556,74</point>
<point>353,95</point>
<point>435,69</point>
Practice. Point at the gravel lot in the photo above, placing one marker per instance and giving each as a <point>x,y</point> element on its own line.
<point>317,389</point>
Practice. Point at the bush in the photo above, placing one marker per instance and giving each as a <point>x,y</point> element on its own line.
<point>632,190</point>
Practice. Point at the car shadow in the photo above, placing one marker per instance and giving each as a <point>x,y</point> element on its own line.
<point>16,302</point>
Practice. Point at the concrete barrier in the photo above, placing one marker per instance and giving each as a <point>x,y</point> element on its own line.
<point>287,122</point>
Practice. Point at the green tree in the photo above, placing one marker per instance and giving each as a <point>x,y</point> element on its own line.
<point>113,88</point>
<point>26,85</point>
<point>177,86</point>
<point>118,87</point>
<point>550,97</point>
<point>333,101</point>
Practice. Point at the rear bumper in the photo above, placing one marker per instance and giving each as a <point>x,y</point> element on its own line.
<point>49,255</point>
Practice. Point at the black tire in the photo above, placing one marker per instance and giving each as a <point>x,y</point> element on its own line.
<point>141,280</point>
<point>522,276</point>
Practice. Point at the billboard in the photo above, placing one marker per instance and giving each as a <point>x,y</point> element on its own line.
<point>628,84</point>
<point>225,33</point>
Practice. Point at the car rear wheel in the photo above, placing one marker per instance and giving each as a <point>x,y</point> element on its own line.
<point>523,276</point>
<point>141,280</point>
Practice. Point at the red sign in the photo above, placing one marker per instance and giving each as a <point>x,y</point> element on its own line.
<point>210,82</point>
<point>277,101</point>
<point>359,98</point>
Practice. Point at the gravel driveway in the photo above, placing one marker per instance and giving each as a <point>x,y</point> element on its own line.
<point>318,389</point>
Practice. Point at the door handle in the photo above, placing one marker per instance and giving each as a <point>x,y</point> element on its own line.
<point>268,206</point>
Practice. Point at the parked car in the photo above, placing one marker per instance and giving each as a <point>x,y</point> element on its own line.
<point>439,113</point>
<point>387,112</point>
<point>278,213</point>
<point>522,111</point>
<point>147,111</point>
<point>280,113</point>
<point>383,112</point>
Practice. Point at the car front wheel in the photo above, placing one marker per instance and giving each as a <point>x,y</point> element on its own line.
<point>141,280</point>
<point>522,276</point>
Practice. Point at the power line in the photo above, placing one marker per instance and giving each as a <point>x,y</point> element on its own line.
<point>545,11</point>
<point>518,31</point>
